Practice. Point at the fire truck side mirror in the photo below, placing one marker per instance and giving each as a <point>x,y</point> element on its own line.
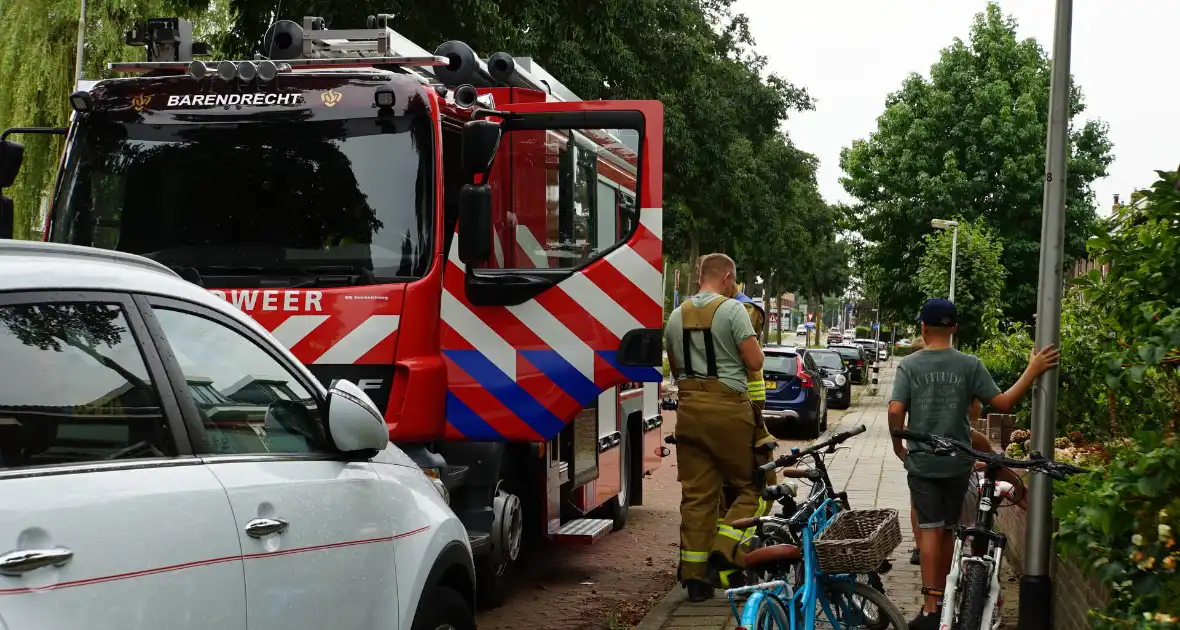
<point>481,139</point>
<point>475,223</point>
<point>11,154</point>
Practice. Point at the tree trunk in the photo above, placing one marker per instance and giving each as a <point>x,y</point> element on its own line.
<point>694,250</point>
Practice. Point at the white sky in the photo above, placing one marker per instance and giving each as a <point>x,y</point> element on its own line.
<point>851,53</point>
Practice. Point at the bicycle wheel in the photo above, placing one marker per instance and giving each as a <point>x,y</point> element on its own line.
<point>974,597</point>
<point>771,615</point>
<point>850,599</point>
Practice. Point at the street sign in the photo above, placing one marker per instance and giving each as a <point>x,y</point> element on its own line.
<point>876,326</point>
<point>810,325</point>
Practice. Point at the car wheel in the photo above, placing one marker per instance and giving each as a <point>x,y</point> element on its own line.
<point>823,422</point>
<point>811,429</point>
<point>443,609</point>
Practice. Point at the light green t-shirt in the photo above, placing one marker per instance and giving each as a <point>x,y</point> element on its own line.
<point>937,387</point>
<point>731,326</point>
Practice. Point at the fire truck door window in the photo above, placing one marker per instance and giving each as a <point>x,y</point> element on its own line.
<point>561,202</point>
<point>275,197</point>
<point>76,388</point>
<point>248,402</point>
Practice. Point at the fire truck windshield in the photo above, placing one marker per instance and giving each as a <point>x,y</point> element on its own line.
<point>240,203</point>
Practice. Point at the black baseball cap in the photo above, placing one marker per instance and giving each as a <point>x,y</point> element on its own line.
<point>939,312</point>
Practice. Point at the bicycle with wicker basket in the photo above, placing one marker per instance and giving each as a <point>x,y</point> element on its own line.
<point>818,575</point>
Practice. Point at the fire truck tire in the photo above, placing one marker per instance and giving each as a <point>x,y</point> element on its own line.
<point>495,571</point>
<point>492,581</point>
<point>635,459</point>
<point>443,608</point>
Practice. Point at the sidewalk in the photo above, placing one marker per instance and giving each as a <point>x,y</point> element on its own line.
<point>872,476</point>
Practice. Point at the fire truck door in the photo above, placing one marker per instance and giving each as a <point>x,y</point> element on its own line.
<point>571,303</point>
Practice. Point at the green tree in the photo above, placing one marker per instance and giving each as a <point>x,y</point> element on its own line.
<point>970,140</point>
<point>979,275</point>
<point>38,44</point>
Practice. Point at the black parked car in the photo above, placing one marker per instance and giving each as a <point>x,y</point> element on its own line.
<point>795,393</point>
<point>854,357</point>
<point>831,365</point>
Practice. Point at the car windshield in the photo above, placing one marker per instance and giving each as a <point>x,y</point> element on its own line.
<point>269,197</point>
<point>828,360</point>
<point>848,353</point>
<point>781,364</point>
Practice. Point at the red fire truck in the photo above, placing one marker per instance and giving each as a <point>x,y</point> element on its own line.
<point>465,239</point>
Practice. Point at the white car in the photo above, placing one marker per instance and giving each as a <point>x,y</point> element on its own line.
<point>166,463</point>
<point>801,329</point>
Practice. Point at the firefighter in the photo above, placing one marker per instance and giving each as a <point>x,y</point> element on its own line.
<point>763,451</point>
<point>711,344</point>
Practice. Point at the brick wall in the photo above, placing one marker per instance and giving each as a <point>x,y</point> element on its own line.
<point>1073,594</point>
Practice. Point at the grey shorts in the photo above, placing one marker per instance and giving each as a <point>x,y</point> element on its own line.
<point>938,501</point>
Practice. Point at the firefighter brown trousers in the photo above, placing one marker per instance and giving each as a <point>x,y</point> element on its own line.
<point>715,431</point>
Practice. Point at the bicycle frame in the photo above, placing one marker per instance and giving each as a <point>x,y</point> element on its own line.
<point>805,598</point>
<point>987,548</point>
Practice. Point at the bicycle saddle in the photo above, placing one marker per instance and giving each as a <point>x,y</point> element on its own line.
<point>773,553</point>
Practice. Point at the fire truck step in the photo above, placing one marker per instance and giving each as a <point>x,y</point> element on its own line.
<point>479,540</point>
<point>583,531</point>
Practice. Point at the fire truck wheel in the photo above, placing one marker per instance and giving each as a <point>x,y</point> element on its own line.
<point>443,609</point>
<point>492,581</point>
<point>620,505</point>
<point>635,460</point>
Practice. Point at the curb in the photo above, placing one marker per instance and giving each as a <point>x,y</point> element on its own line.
<point>658,616</point>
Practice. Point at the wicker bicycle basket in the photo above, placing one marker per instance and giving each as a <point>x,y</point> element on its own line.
<point>857,541</point>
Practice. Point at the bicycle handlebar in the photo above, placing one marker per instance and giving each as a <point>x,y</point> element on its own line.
<point>944,446</point>
<point>790,459</point>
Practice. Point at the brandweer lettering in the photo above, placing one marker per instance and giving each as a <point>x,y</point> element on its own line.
<point>274,300</point>
<point>211,100</point>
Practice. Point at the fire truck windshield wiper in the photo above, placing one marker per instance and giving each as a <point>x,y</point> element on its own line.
<point>312,275</point>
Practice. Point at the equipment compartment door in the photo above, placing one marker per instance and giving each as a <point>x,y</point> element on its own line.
<point>569,303</point>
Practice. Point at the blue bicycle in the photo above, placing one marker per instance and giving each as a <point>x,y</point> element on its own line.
<point>794,592</point>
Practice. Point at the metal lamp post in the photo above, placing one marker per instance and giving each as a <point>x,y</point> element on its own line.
<point>942,224</point>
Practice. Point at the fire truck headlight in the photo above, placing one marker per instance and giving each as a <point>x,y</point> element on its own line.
<point>247,71</point>
<point>226,70</point>
<point>197,70</point>
<point>267,71</point>
<point>80,101</point>
<point>384,98</point>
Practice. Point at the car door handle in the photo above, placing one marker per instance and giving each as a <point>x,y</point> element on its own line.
<point>260,527</point>
<point>15,563</point>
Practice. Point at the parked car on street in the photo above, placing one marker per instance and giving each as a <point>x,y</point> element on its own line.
<point>832,367</point>
<point>795,393</point>
<point>882,350</point>
<point>835,336</point>
<point>166,463</point>
<point>801,330</point>
<point>854,357</point>
<point>870,347</point>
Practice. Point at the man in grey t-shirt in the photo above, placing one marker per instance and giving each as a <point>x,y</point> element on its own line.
<point>935,388</point>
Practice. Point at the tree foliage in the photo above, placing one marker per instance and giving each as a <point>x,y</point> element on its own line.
<point>979,274</point>
<point>970,141</point>
<point>38,45</point>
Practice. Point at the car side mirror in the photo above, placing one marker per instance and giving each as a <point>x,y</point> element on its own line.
<point>11,155</point>
<point>354,421</point>
<point>475,223</point>
<point>481,139</point>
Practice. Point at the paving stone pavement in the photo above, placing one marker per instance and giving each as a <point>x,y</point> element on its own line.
<point>872,476</point>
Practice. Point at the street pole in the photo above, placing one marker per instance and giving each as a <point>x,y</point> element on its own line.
<point>954,257</point>
<point>1036,586</point>
<point>81,46</point>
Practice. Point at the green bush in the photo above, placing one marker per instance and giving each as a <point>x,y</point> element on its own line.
<point>863,332</point>
<point>1121,526</point>
<point>902,351</point>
